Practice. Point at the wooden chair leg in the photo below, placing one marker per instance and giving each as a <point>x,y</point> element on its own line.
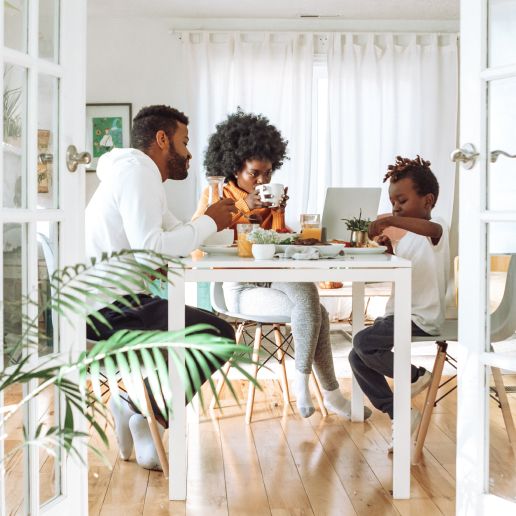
<point>283,370</point>
<point>318,394</point>
<point>256,352</point>
<point>431,395</point>
<point>156,437</point>
<point>226,368</point>
<point>504,405</point>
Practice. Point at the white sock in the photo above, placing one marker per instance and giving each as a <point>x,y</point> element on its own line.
<point>303,396</point>
<point>122,412</point>
<point>146,454</point>
<point>336,402</point>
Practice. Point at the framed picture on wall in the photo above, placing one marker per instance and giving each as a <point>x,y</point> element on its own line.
<point>107,126</point>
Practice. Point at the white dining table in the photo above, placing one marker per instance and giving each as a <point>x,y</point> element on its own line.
<point>358,269</point>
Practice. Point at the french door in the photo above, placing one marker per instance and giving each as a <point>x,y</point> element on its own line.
<point>486,452</point>
<point>42,210</point>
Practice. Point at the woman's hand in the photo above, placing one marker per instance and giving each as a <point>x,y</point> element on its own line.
<point>386,241</point>
<point>253,201</point>
<point>283,201</point>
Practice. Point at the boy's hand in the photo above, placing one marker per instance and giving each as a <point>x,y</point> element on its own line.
<point>386,241</point>
<point>377,226</point>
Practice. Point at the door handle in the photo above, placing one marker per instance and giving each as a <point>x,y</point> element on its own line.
<point>494,155</point>
<point>467,155</point>
<point>74,158</point>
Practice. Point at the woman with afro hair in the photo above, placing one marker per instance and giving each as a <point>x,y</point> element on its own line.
<point>246,149</point>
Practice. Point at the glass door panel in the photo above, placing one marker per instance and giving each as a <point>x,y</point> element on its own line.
<point>501,410</point>
<point>48,109</point>
<point>15,282</point>
<point>502,137</point>
<point>502,28</point>
<point>14,455</point>
<point>49,458</point>
<point>14,136</point>
<point>15,24</point>
<point>49,30</point>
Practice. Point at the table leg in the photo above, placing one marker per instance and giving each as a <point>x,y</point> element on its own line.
<point>177,448</point>
<point>402,333</point>
<point>357,396</point>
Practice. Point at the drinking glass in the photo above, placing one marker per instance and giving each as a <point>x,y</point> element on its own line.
<point>215,188</point>
<point>310,226</point>
<point>243,245</point>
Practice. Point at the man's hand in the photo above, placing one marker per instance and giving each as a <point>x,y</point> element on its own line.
<point>221,212</point>
<point>386,241</point>
<point>377,226</point>
<point>253,201</point>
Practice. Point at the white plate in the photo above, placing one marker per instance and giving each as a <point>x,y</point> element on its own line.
<point>325,251</point>
<point>365,250</point>
<point>220,249</point>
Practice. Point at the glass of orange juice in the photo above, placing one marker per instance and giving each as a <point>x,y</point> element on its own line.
<point>243,245</point>
<point>310,226</point>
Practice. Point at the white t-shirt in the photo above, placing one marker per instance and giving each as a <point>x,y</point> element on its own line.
<point>430,269</point>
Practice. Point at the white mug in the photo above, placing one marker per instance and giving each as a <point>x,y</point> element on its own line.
<point>271,193</point>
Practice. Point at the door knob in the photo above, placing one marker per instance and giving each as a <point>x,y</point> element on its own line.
<point>467,155</point>
<point>496,153</point>
<point>74,158</point>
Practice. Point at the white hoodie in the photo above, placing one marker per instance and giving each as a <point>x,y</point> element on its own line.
<point>129,210</point>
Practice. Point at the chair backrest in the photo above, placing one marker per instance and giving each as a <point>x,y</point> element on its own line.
<point>217,298</point>
<point>503,319</point>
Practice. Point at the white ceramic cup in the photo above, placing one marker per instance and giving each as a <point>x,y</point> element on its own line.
<point>263,251</point>
<point>271,193</point>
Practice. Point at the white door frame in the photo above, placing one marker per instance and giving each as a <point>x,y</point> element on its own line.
<point>71,71</point>
<point>472,494</point>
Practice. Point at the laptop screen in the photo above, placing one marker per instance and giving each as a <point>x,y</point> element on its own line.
<point>346,203</point>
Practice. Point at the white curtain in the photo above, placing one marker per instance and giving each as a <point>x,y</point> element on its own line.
<point>263,73</point>
<point>391,95</point>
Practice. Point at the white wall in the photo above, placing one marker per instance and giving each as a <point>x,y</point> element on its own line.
<point>138,60</point>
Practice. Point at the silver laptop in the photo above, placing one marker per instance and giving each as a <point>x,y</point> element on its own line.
<point>346,203</point>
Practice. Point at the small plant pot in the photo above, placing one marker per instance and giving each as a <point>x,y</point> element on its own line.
<point>359,239</point>
<point>263,251</point>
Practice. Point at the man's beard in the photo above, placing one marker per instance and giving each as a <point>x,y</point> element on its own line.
<point>177,165</point>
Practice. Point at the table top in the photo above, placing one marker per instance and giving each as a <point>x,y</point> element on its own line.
<point>367,261</point>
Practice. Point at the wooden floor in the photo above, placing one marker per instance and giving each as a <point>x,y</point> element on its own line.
<point>284,464</point>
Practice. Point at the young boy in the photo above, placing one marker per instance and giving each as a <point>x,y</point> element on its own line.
<point>413,192</point>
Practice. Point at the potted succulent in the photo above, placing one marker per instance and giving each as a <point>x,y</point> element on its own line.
<point>264,243</point>
<point>358,227</point>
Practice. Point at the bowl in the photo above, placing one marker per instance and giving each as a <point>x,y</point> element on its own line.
<point>223,237</point>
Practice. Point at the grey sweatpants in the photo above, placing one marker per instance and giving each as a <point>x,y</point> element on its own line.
<point>309,321</point>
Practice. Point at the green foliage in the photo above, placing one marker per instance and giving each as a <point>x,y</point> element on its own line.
<point>12,109</point>
<point>264,236</point>
<point>126,355</point>
<point>357,223</point>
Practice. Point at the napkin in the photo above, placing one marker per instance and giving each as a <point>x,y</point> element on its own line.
<point>309,253</point>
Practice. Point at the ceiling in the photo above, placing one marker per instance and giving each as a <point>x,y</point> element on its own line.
<point>288,9</point>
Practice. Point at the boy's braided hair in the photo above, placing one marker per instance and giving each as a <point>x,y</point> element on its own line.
<point>416,169</point>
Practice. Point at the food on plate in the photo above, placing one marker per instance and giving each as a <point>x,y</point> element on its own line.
<point>308,241</point>
<point>330,284</point>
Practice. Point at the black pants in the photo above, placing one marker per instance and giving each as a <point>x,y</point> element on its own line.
<point>152,314</point>
<point>372,360</point>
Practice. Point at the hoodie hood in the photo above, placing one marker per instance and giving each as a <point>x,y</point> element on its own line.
<point>117,159</point>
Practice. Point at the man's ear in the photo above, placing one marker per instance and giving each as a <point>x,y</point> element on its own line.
<point>161,139</point>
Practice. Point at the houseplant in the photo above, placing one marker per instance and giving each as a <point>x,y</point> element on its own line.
<point>264,243</point>
<point>358,227</point>
<point>113,277</point>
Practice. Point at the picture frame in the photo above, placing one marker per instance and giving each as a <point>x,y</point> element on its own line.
<point>108,126</point>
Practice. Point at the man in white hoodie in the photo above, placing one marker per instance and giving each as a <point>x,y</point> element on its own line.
<point>129,211</point>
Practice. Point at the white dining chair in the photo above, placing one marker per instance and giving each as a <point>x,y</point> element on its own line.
<point>281,349</point>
